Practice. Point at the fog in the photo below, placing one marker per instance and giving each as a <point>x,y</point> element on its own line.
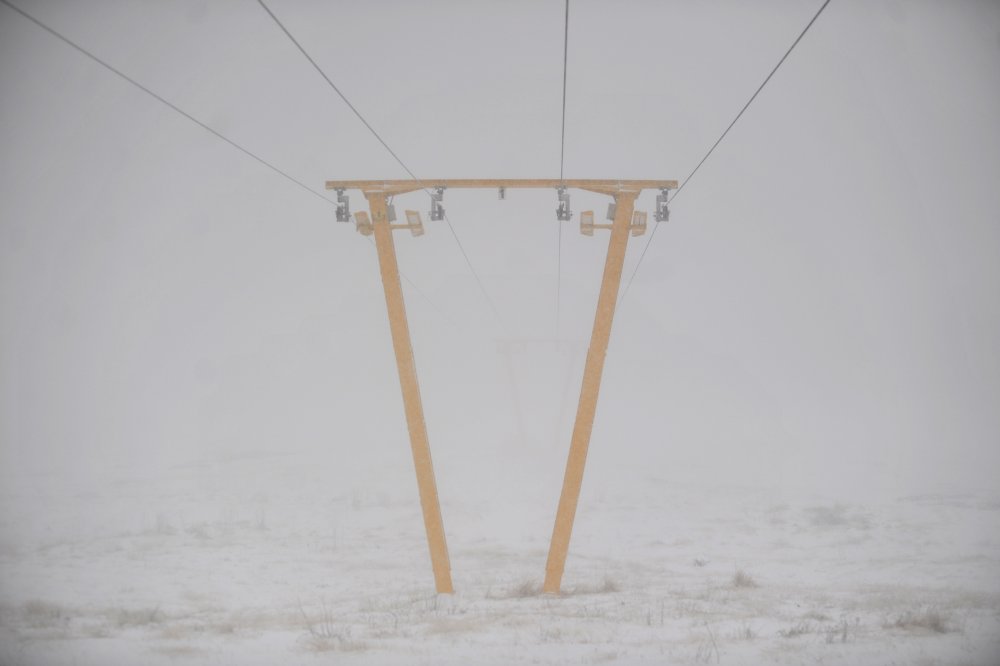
<point>820,314</point>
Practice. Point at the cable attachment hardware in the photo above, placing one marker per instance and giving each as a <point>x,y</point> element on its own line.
<point>662,213</point>
<point>343,206</point>
<point>587,224</point>
<point>563,212</point>
<point>437,210</point>
<point>363,223</point>
<point>638,226</point>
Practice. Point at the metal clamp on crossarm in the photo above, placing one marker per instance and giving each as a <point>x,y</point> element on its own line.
<point>343,206</point>
<point>563,213</point>
<point>437,210</point>
<point>662,213</point>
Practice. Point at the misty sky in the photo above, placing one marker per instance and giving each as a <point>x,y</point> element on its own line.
<point>822,308</point>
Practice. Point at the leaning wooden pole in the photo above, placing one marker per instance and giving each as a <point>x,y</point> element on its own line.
<point>426,484</point>
<point>573,479</point>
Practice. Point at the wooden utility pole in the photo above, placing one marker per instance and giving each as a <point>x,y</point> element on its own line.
<point>592,371</point>
<point>433,523</point>
<point>625,221</point>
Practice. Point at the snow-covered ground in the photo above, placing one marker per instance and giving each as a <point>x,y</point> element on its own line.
<point>272,558</point>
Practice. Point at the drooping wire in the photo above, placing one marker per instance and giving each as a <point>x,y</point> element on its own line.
<point>752,98</point>
<point>475,274</point>
<point>562,157</point>
<point>163,101</point>
<point>562,146</point>
<point>441,313</point>
<point>371,129</point>
<point>201,124</point>
<point>719,140</point>
<point>334,86</point>
<point>559,277</point>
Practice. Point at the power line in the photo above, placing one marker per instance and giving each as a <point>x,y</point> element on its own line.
<point>371,129</point>
<point>562,156</point>
<point>187,115</point>
<point>160,99</point>
<point>558,277</point>
<point>752,98</point>
<point>417,289</point>
<point>719,140</point>
<point>334,86</point>
<point>562,147</point>
<point>482,288</point>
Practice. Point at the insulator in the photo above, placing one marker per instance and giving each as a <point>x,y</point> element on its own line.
<point>563,212</point>
<point>662,212</point>
<point>437,210</point>
<point>343,207</point>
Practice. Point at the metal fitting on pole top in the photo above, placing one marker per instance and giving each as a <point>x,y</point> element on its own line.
<point>563,212</point>
<point>437,210</point>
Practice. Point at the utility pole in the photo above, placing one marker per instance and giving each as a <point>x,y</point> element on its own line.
<point>624,221</point>
<point>427,486</point>
<point>592,371</point>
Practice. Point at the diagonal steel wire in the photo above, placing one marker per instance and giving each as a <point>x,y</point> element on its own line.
<point>396,157</point>
<point>719,140</point>
<point>562,157</point>
<point>199,123</point>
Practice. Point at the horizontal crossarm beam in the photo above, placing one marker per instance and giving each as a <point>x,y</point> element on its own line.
<point>391,187</point>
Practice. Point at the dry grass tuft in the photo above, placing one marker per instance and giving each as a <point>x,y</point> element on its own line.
<point>837,515</point>
<point>841,633</point>
<point>525,589</point>
<point>37,613</point>
<point>797,629</point>
<point>325,634</point>
<point>340,643</point>
<point>609,585</point>
<point>819,616</point>
<point>742,579</point>
<point>135,617</point>
<point>708,649</point>
<point>930,619</point>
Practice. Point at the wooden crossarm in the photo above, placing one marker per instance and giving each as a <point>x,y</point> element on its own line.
<point>601,186</point>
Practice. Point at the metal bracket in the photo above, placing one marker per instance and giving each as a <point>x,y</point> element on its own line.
<point>437,210</point>
<point>587,226</point>
<point>343,206</point>
<point>563,212</point>
<point>413,223</point>
<point>662,212</point>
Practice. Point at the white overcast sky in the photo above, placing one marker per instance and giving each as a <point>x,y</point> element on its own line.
<point>822,308</point>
